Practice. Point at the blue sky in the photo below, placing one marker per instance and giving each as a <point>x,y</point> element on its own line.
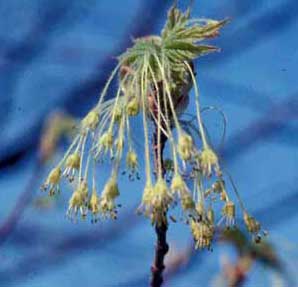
<point>57,54</point>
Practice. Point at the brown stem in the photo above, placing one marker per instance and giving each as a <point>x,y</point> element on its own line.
<point>161,250</point>
<point>162,246</point>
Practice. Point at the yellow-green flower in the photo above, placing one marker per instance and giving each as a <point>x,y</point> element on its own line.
<point>107,205</point>
<point>161,195</point>
<point>202,232</point>
<point>253,226</point>
<point>209,161</point>
<point>133,107</point>
<point>178,185</point>
<point>118,113</point>
<point>145,206</point>
<point>228,214</point>
<point>78,202</point>
<point>217,188</point>
<point>187,203</point>
<point>94,203</point>
<point>72,165</point>
<point>52,183</point>
<point>132,165</point>
<point>105,143</point>
<point>111,190</point>
<point>156,201</point>
<point>91,120</point>
<point>179,188</point>
<point>185,146</point>
<point>75,204</point>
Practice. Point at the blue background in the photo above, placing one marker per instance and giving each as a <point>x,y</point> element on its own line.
<point>57,55</point>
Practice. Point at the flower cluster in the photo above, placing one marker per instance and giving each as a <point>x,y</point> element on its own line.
<point>155,77</point>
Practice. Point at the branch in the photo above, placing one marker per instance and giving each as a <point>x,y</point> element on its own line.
<point>162,247</point>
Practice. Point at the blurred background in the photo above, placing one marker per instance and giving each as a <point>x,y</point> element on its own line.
<point>55,57</point>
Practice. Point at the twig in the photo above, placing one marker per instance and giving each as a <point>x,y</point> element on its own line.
<point>162,247</point>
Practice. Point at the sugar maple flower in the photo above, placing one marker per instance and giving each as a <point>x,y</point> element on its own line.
<point>94,206</point>
<point>155,77</point>
<point>52,183</point>
<point>132,165</point>
<point>107,204</point>
<point>78,202</point>
<point>228,213</point>
<point>203,233</point>
<point>209,161</point>
<point>72,165</point>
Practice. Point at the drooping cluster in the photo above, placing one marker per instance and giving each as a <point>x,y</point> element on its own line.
<point>155,77</point>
